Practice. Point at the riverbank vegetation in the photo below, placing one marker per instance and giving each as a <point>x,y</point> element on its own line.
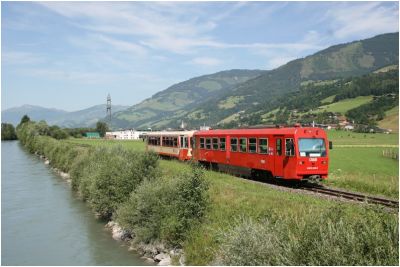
<point>127,186</point>
<point>217,218</point>
<point>8,132</point>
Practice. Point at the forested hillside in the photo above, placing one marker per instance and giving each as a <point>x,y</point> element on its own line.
<point>177,99</point>
<point>240,97</point>
<point>363,100</point>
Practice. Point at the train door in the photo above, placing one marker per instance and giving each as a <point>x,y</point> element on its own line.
<point>183,151</point>
<point>278,155</point>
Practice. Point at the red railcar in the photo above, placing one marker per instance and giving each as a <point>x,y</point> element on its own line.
<point>288,153</point>
<point>171,144</point>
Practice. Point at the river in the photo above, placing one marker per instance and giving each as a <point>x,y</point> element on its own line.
<point>44,223</point>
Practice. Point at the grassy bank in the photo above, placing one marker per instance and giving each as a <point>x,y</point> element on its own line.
<point>128,186</point>
<point>221,219</point>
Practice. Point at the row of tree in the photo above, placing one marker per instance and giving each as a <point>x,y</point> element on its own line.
<point>8,132</point>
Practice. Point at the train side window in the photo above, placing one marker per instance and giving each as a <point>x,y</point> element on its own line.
<point>263,146</point>
<point>289,147</point>
<point>279,147</point>
<point>202,143</point>
<point>234,143</point>
<point>208,143</point>
<point>222,144</point>
<point>253,145</point>
<point>175,141</point>
<point>215,143</point>
<point>243,144</point>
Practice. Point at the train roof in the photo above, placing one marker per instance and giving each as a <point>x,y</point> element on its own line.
<point>284,131</point>
<point>170,133</point>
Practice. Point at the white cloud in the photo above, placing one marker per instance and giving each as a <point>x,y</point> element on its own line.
<point>123,45</point>
<point>20,58</point>
<point>362,19</point>
<point>206,61</point>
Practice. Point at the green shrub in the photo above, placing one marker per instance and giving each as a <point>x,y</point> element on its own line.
<point>166,208</point>
<point>255,243</point>
<point>107,176</point>
<point>335,237</point>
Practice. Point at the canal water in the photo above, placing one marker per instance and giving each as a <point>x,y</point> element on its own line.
<point>44,223</point>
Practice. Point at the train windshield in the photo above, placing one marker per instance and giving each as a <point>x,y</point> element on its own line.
<point>312,147</point>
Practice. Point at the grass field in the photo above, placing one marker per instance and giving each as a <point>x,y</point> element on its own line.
<point>364,169</point>
<point>344,105</point>
<point>346,138</point>
<point>391,121</point>
<point>233,198</point>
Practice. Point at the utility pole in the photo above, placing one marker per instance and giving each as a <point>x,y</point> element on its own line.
<point>109,110</point>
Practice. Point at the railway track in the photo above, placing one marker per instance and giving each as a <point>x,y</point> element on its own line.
<point>352,196</point>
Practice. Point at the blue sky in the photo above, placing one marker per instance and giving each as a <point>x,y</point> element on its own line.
<point>70,55</point>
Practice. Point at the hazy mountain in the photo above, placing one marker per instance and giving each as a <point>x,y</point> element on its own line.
<point>85,117</point>
<point>36,113</point>
<point>81,118</point>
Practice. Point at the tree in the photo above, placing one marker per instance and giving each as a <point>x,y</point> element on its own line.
<point>24,119</point>
<point>102,128</point>
<point>8,132</point>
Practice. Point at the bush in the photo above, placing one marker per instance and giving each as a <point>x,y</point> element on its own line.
<point>107,176</point>
<point>166,208</point>
<point>255,243</point>
<point>8,132</point>
<point>334,237</point>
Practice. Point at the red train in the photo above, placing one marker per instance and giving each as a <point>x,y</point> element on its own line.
<point>287,153</point>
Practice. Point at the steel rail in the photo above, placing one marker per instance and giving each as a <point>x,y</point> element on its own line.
<point>352,196</point>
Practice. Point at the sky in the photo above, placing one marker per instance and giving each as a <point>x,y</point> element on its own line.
<point>70,55</point>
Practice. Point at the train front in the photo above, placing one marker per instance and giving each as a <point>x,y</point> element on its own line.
<point>313,161</point>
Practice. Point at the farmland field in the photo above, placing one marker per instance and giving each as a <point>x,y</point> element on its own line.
<point>391,121</point>
<point>344,105</point>
<point>347,138</point>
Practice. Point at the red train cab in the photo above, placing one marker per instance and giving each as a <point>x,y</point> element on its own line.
<point>287,153</point>
<point>171,144</point>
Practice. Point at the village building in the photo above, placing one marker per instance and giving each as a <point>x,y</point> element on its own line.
<point>129,134</point>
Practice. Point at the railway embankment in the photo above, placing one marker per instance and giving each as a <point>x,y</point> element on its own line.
<point>165,207</point>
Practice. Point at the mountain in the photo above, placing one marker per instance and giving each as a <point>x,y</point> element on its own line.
<point>36,113</point>
<point>340,61</point>
<point>178,98</point>
<point>212,100</point>
<point>85,117</point>
<point>81,118</point>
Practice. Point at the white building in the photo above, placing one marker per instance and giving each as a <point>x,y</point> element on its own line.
<point>125,134</point>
